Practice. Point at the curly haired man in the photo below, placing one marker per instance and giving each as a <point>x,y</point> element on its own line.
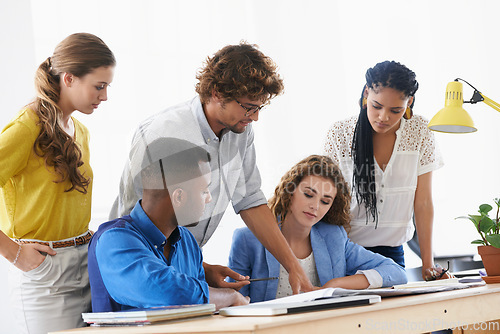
<point>233,86</point>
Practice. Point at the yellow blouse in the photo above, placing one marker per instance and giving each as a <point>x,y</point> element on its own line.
<point>32,205</point>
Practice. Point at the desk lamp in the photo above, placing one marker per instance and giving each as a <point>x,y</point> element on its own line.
<point>453,118</point>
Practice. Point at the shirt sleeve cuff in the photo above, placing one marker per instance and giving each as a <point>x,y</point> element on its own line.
<point>249,202</point>
<point>373,277</point>
<point>430,168</point>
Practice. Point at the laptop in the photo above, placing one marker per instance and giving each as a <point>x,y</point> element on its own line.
<point>276,308</point>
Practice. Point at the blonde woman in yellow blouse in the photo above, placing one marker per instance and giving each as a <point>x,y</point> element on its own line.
<point>46,187</point>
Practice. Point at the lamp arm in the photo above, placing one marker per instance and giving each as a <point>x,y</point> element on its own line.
<point>466,83</point>
<point>480,97</point>
<point>491,103</point>
<point>476,97</point>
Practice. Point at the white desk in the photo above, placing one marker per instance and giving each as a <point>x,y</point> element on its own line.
<point>409,314</point>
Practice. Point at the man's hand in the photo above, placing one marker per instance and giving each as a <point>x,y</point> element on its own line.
<point>299,282</point>
<point>215,276</point>
<point>261,221</point>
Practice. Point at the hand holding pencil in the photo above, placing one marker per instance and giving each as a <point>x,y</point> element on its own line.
<point>261,279</point>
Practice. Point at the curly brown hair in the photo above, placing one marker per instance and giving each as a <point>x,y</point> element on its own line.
<point>239,71</point>
<point>316,165</point>
<point>78,54</point>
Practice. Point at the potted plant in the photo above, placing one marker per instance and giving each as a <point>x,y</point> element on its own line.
<point>489,231</point>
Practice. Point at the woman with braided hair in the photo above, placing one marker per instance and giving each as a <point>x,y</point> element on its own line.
<point>389,156</point>
<point>46,187</point>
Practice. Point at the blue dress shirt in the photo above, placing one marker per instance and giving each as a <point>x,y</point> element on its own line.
<point>335,256</point>
<point>127,267</point>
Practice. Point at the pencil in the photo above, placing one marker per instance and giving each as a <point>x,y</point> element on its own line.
<point>262,279</point>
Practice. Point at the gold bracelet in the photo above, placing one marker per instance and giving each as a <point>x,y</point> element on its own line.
<point>17,255</point>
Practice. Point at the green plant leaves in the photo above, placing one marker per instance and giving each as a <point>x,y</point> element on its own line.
<point>494,240</point>
<point>485,208</point>
<point>487,228</point>
<point>486,224</point>
<point>473,218</point>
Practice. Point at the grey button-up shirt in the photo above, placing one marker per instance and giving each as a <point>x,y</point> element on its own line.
<point>235,176</point>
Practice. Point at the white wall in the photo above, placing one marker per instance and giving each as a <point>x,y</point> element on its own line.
<point>323,49</point>
<point>17,59</point>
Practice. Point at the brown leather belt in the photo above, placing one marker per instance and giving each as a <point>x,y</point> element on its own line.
<point>78,241</point>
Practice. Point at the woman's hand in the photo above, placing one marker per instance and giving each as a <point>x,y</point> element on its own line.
<point>239,299</point>
<point>226,297</point>
<point>436,272</point>
<point>30,257</point>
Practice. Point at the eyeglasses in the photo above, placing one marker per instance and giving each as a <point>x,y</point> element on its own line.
<point>251,110</point>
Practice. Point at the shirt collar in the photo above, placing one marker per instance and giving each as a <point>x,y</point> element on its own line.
<point>142,222</point>
<point>206,131</point>
<point>175,236</point>
<point>199,114</point>
<point>401,126</point>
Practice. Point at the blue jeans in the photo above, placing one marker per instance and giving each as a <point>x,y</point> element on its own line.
<point>396,253</point>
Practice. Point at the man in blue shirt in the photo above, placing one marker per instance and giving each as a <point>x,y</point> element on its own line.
<point>148,258</point>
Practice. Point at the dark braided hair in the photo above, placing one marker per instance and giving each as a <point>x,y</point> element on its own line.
<point>387,74</point>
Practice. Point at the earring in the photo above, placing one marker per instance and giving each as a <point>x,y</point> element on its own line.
<point>408,113</point>
<point>364,103</point>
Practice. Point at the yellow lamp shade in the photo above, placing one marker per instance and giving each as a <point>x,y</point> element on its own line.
<point>453,117</point>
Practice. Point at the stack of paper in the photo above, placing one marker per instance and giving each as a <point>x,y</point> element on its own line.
<point>426,284</point>
<point>147,315</point>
